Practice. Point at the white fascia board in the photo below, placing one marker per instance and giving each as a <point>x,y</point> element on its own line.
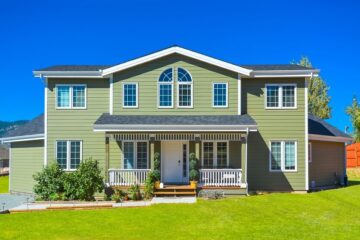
<point>69,74</point>
<point>324,138</point>
<point>24,138</point>
<point>285,73</point>
<point>181,51</point>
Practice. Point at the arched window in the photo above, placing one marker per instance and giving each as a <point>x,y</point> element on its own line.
<point>165,89</point>
<point>185,88</point>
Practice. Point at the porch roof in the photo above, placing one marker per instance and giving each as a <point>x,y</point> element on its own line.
<point>163,123</point>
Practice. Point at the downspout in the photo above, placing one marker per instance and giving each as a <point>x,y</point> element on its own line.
<point>45,82</point>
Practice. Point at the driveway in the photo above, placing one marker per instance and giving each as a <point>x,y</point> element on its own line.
<point>8,201</point>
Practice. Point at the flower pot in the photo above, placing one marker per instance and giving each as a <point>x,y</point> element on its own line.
<point>193,184</point>
<point>157,184</point>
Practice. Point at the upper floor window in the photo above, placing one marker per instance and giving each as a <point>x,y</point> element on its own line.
<point>130,95</point>
<point>68,154</point>
<point>281,96</point>
<point>185,86</point>
<point>283,155</point>
<point>165,89</point>
<point>71,96</point>
<point>220,94</point>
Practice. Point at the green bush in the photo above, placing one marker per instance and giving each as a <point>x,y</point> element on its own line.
<point>118,195</point>
<point>194,173</point>
<point>134,192</point>
<point>50,181</point>
<point>150,185</point>
<point>156,172</point>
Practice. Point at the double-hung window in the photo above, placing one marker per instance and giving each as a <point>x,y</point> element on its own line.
<point>165,89</point>
<point>135,155</point>
<point>68,154</point>
<point>215,154</point>
<point>220,94</point>
<point>130,95</point>
<point>185,89</point>
<point>280,96</point>
<point>283,156</point>
<point>71,96</point>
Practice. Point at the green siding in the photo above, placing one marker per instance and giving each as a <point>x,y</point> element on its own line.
<point>27,158</point>
<point>273,125</point>
<point>71,124</point>
<point>147,75</point>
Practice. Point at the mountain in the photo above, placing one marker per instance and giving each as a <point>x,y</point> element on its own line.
<point>7,126</point>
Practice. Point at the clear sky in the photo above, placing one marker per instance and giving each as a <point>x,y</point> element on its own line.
<point>36,34</point>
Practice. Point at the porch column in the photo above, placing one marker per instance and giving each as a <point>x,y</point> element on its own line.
<point>197,151</point>
<point>152,153</point>
<point>244,161</point>
<point>107,156</point>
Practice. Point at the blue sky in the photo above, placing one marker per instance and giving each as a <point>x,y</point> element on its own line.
<point>35,34</point>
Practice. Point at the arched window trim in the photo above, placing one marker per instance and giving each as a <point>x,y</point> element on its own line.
<point>184,83</point>
<point>169,83</point>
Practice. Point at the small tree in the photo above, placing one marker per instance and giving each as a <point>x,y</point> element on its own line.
<point>156,172</point>
<point>354,112</point>
<point>50,181</point>
<point>194,173</point>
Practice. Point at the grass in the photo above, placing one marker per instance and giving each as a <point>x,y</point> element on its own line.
<point>4,184</point>
<point>331,214</point>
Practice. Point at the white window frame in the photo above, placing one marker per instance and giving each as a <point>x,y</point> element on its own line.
<point>184,83</point>
<point>70,96</point>
<point>215,153</point>
<point>172,89</point>
<point>68,153</point>
<point>282,163</point>
<point>137,94</point>
<point>135,153</point>
<point>213,95</point>
<point>309,152</point>
<point>280,96</point>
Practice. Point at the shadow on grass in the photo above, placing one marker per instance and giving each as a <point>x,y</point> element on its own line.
<point>353,183</point>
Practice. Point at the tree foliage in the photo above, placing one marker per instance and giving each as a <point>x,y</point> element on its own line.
<point>354,112</point>
<point>318,97</point>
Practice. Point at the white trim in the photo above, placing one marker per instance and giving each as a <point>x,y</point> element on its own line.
<point>307,137</point>
<point>324,138</point>
<point>111,94</point>
<point>24,138</point>
<point>10,172</point>
<point>136,91</point>
<point>68,153</point>
<point>284,73</point>
<point>184,83</point>
<point>280,96</point>
<point>135,142</point>
<point>239,94</point>
<point>227,95</point>
<point>45,121</point>
<point>282,149</point>
<point>166,83</point>
<point>70,107</point>
<point>215,142</point>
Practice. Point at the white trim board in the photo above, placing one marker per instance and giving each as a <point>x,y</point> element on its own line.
<point>24,138</point>
<point>324,138</point>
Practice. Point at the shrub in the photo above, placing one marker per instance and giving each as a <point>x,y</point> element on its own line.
<point>50,181</point>
<point>134,192</point>
<point>194,173</point>
<point>156,172</point>
<point>149,185</point>
<point>71,186</point>
<point>118,195</point>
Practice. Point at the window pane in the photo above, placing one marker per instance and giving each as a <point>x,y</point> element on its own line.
<point>272,96</point>
<point>63,96</point>
<point>208,155</point>
<point>78,96</point>
<point>130,97</point>
<point>288,96</point>
<point>185,95</point>
<point>142,153</point>
<point>75,154</point>
<point>183,75</point>
<point>289,155</point>
<point>220,94</point>
<point>276,155</point>
<point>165,95</point>
<point>222,155</point>
<point>61,153</point>
<point>184,160</point>
<point>166,76</point>
<point>128,155</point>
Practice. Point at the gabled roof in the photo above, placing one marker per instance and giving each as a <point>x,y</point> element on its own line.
<point>321,130</point>
<point>101,71</point>
<point>32,130</point>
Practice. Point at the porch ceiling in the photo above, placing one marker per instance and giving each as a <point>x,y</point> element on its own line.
<point>171,123</point>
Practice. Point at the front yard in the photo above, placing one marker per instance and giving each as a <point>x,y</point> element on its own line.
<point>4,184</point>
<point>332,214</point>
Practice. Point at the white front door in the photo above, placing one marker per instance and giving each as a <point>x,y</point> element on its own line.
<point>174,162</point>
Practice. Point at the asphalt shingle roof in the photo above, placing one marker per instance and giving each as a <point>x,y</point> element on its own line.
<point>35,126</point>
<point>320,127</point>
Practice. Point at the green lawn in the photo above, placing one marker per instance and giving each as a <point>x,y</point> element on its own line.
<point>332,214</point>
<point>4,184</point>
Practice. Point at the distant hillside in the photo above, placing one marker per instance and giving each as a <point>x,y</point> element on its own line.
<point>7,126</point>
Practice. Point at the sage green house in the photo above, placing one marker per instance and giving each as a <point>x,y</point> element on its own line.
<point>247,125</point>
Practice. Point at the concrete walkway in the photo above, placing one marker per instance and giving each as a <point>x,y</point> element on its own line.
<point>9,201</point>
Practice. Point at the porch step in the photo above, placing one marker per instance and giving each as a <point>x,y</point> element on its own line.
<point>176,193</point>
<point>175,190</point>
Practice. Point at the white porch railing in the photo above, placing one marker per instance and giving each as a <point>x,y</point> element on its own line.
<point>127,177</point>
<point>220,177</point>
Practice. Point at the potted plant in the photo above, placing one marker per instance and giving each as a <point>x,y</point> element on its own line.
<point>156,172</point>
<point>194,173</point>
